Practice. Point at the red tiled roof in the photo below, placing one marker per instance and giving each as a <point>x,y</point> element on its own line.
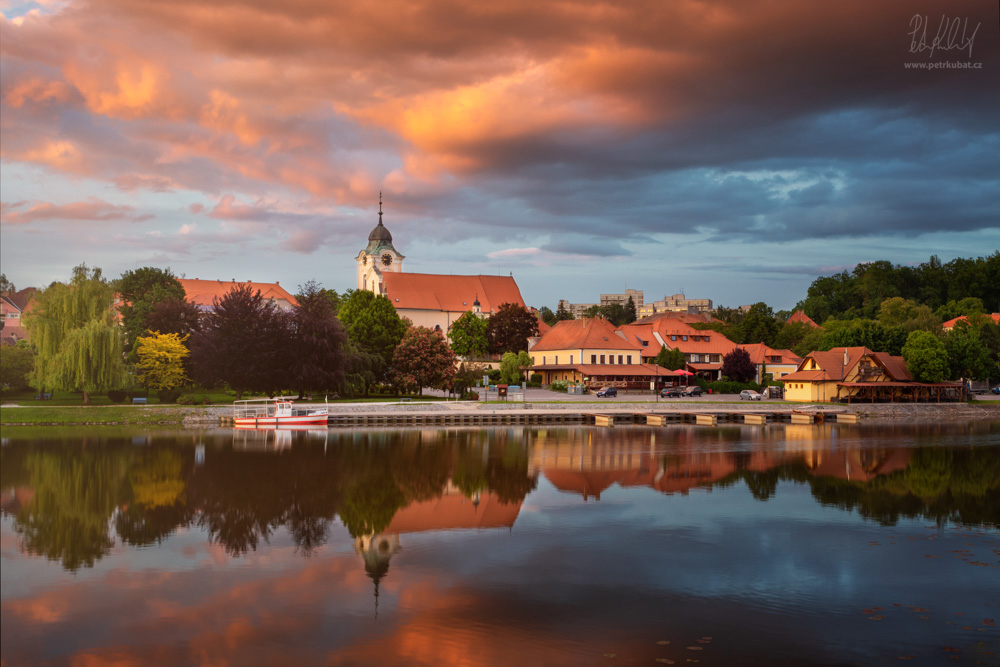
<point>584,334</point>
<point>687,318</point>
<point>895,367</point>
<point>760,353</point>
<point>833,361</point>
<point>667,327</point>
<point>431,291</point>
<point>806,376</point>
<point>22,298</point>
<point>705,367</point>
<point>950,324</point>
<point>543,328</point>
<point>800,316</point>
<point>203,292</point>
<point>454,511</point>
<point>608,369</point>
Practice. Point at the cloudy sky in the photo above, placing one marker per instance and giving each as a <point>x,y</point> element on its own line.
<point>732,150</point>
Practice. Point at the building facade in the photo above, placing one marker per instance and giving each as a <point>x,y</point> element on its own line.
<point>677,303</point>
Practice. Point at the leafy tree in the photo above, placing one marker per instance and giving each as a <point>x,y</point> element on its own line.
<point>372,323</point>
<point>563,314</point>
<point>245,342</point>
<point>423,359</point>
<point>926,357</point>
<point>615,313</point>
<point>810,343</point>
<point>6,287</point>
<point>967,306</point>
<point>318,363</point>
<point>16,362</point>
<point>792,334</point>
<point>730,316</point>
<point>312,289</point>
<point>968,356</point>
<point>510,328</point>
<point>867,333</point>
<point>173,315</point>
<point>548,316</point>
<point>467,375</point>
<point>468,336</point>
<point>737,366</point>
<point>362,369</point>
<point>139,291</point>
<point>78,341</point>
<point>630,312</point>
<point>670,359</point>
<point>594,311</point>
<point>906,313</point>
<point>758,325</point>
<point>512,365</point>
<point>161,360</point>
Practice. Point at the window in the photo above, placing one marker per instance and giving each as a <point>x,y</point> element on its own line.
<point>628,359</point>
<point>557,359</point>
<point>602,358</point>
<point>593,358</point>
<point>673,337</point>
<point>544,360</point>
<point>621,359</point>
<point>645,343</point>
<point>684,337</point>
<point>571,358</point>
<point>705,338</point>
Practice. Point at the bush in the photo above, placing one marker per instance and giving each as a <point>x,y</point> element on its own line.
<point>535,380</point>
<point>193,399</point>
<point>117,396</point>
<point>168,395</point>
<point>494,374</point>
<point>469,395</point>
<point>535,384</point>
<point>559,385</point>
<point>726,386</point>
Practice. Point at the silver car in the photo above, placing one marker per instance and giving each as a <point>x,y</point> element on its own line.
<point>750,395</point>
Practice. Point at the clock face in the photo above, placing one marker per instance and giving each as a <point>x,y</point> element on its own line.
<point>386,259</point>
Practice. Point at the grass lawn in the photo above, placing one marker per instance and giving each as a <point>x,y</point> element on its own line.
<point>113,414</point>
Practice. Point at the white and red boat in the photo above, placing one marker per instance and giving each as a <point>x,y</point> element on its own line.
<point>276,412</point>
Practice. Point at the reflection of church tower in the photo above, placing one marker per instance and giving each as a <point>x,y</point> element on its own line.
<point>376,550</point>
<point>379,256</point>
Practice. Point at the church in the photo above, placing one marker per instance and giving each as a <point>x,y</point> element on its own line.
<point>428,299</point>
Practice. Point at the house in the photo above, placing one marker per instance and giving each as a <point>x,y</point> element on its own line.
<point>430,300</point>
<point>800,316</point>
<point>591,351</point>
<point>13,306</point>
<point>778,363</point>
<point>950,324</point>
<point>203,293</point>
<point>703,349</point>
<point>847,374</point>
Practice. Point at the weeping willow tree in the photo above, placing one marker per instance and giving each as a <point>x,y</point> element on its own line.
<point>79,342</point>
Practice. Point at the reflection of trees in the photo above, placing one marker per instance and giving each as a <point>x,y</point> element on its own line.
<point>75,494</point>
<point>507,474</point>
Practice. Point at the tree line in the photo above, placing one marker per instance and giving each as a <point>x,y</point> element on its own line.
<point>95,335</point>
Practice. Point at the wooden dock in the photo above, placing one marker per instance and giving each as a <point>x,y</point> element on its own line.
<point>478,418</point>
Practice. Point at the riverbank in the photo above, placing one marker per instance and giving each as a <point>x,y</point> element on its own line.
<point>208,416</point>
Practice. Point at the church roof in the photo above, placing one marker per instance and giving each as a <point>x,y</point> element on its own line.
<point>432,291</point>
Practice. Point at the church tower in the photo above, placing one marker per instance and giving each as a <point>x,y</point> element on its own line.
<point>378,257</point>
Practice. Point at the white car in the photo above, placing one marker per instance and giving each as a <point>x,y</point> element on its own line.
<point>750,395</point>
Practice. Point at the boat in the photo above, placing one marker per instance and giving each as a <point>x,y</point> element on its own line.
<point>276,412</point>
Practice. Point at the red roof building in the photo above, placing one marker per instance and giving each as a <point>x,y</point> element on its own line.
<point>13,306</point>
<point>203,293</point>
<point>800,316</point>
<point>950,324</point>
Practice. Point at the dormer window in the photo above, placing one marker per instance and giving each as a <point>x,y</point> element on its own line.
<point>684,337</point>
<point>705,338</point>
<point>673,337</point>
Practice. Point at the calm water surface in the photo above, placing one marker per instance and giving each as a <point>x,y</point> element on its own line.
<point>570,546</point>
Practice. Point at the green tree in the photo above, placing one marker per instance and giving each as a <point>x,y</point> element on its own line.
<point>161,360</point>
<point>630,312</point>
<point>16,362</point>
<point>423,359</point>
<point>926,357</point>
<point>244,343</point>
<point>318,363</point>
<point>547,316</point>
<point>562,313</point>
<point>372,323</point>
<point>862,332</point>
<point>968,355</point>
<point>670,359</point>
<point>792,334</point>
<point>312,289</point>
<point>468,336</point>
<point>615,313</point>
<point>139,291</point>
<point>73,329</point>
<point>6,287</point>
<point>512,366</point>
<point>758,325</point>
<point>967,306</point>
<point>510,328</point>
<point>737,366</point>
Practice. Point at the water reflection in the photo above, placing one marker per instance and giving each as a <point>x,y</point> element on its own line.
<point>786,544</point>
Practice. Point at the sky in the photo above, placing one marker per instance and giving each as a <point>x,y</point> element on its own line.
<point>728,150</point>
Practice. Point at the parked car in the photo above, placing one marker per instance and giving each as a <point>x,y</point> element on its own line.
<point>670,392</point>
<point>750,395</point>
<point>693,390</point>
<point>607,391</point>
<point>996,390</point>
